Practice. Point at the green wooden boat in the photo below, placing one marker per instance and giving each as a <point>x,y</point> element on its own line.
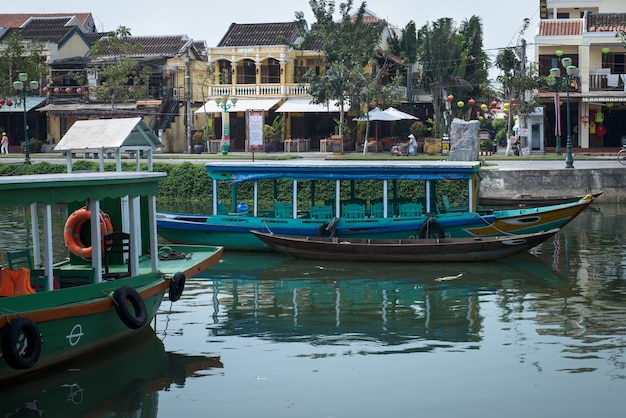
<point>55,310</point>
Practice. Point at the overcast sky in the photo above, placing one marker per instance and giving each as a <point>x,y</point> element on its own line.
<point>209,20</point>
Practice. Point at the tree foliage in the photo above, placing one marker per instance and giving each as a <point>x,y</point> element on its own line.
<point>348,46</point>
<point>452,62</point>
<point>15,59</point>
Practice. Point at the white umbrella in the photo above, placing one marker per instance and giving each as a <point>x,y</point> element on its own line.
<point>378,114</point>
<point>400,114</point>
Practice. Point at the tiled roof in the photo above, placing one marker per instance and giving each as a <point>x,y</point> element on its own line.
<point>606,22</point>
<point>15,20</point>
<point>259,34</point>
<point>45,30</point>
<point>163,46</point>
<point>561,27</point>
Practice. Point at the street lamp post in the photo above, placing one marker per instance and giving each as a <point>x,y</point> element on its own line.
<point>225,102</point>
<point>21,87</point>
<point>571,72</point>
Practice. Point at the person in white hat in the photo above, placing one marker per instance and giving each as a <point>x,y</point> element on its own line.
<point>412,145</point>
<point>4,148</point>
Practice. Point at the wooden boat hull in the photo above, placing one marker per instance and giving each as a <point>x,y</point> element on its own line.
<point>529,200</point>
<point>410,250</point>
<point>76,320</point>
<point>233,232</point>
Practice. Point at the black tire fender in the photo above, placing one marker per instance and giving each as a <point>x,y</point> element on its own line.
<point>126,297</point>
<point>177,285</point>
<point>21,343</point>
<point>329,227</point>
<point>429,225</point>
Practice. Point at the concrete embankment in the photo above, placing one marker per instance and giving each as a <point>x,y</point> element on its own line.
<point>556,182</point>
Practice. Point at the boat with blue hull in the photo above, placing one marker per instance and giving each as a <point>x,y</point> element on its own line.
<point>403,200</point>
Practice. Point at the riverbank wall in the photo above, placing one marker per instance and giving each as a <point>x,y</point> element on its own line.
<point>558,182</point>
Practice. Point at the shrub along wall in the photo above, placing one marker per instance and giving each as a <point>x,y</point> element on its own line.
<point>188,182</point>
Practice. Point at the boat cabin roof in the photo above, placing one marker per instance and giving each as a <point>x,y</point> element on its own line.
<point>236,172</point>
<point>73,187</point>
<point>126,134</point>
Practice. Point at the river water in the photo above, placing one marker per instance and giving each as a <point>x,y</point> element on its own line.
<point>269,336</point>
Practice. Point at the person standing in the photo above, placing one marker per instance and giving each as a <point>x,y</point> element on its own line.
<point>4,148</point>
<point>412,145</point>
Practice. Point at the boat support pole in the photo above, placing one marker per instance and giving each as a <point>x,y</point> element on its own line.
<point>385,198</point>
<point>152,226</point>
<point>337,198</point>
<point>255,198</point>
<point>135,234</point>
<point>34,224</point>
<point>294,200</point>
<point>214,198</point>
<point>96,245</point>
<point>47,247</point>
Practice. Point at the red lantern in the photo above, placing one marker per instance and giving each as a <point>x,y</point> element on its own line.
<point>512,99</point>
<point>600,130</point>
<point>2,102</point>
<point>471,102</point>
<point>9,103</point>
<point>450,98</point>
<point>45,90</point>
<point>68,90</point>
<point>79,91</point>
<point>57,90</point>
<point>584,119</point>
<point>494,103</point>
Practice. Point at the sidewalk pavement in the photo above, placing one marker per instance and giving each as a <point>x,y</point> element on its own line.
<point>496,162</point>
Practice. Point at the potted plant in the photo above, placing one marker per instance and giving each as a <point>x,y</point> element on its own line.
<point>486,147</point>
<point>273,133</point>
<point>198,140</point>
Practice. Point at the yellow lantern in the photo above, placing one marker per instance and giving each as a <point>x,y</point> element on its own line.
<point>460,103</point>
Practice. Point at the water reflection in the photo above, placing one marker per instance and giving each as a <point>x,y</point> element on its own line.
<point>123,381</point>
<point>286,300</point>
<point>509,331</point>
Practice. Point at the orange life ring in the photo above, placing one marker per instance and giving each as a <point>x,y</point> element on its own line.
<point>73,226</point>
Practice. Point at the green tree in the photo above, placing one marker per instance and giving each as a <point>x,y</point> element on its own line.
<point>122,77</point>
<point>346,45</point>
<point>15,59</point>
<point>453,62</point>
<point>517,81</point>
<point>406,48</point>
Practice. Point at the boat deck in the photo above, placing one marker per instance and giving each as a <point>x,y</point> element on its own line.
<point>187,259</point>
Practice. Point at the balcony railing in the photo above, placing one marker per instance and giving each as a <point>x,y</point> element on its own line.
<point>603,80</point>
<point>258,90</point>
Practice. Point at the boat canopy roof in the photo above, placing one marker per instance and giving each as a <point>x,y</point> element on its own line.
<point>75,187</point>
<point>237,172</point>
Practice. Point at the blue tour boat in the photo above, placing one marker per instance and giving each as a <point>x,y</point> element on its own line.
<point>381,214</point>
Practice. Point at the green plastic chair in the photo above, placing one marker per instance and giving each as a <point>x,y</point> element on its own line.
<point>321,212</point>
<point>353,211</point>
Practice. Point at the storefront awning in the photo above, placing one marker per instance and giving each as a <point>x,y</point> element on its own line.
<point>16,107</point>
<point>305,106</point>
<point>241,106</point>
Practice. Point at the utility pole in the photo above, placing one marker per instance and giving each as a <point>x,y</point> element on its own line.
<point>188,102</point>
